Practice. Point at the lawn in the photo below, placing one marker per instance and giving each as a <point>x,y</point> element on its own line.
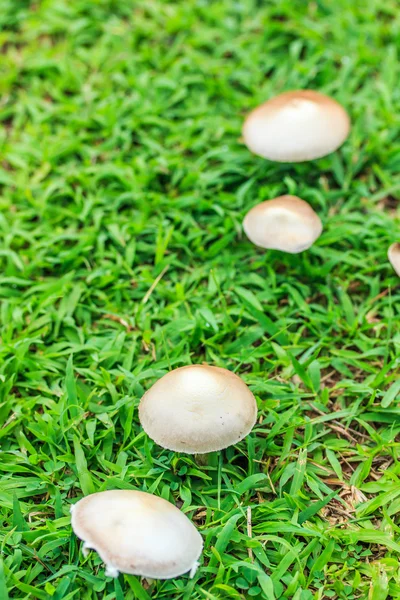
<point>124,183</point>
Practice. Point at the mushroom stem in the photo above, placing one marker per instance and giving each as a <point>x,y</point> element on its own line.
<point>201,460</point>
<point>111,571</point>
<point>209,459</point>
<point>194,569</point>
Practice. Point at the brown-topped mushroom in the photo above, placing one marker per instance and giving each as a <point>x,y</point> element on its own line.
<point>296,126</point>
<point>137,533</point>
<point>198,409</point>
<point>286,223</point>
<point>394,257</point>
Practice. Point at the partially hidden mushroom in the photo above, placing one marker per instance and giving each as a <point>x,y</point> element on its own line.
<point>198,409</point>
<point>296,126</point>
<point>394,257</point>
<point>286,223</point>
<point>137,533</point>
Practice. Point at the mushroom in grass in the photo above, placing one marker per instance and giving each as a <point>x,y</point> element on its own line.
<point>286,223</point>
<point>296,126</point>
<point>198,409</point>
<point>394,257</point>
<point>137,533</point>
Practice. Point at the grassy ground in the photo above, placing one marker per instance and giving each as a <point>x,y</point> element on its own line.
<point>124,184</point>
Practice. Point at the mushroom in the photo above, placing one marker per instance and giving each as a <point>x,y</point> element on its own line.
<point>296,126</point>
<point>394,257</point>
<point>286,223</point>
<point>137,533</point>
<point>198,409</point>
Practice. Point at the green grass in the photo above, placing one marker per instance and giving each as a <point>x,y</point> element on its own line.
<point>124,183</point>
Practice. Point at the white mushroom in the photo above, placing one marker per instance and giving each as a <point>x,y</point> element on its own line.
<point>137,533</point>
<point>285,223</point>
<point>296,126</point>
<point>394,257</point>
<point>198,409</point>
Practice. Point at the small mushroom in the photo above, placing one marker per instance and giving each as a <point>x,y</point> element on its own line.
<point>198,409</point>
<point>137,533</point>
<point>296,126</point>
<point>286,223</point>
<point>394,257</point>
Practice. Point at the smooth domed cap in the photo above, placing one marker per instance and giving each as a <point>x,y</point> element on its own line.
<point>296,126</point>
<point>137,533</point>
<point>394,257</point>
<point>286,223</point>
<point>198,409</point>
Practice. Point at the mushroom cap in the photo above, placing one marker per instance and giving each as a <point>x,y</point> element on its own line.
<point>137,533</point>
<point>394,257</point>
<point>286,223</point>
<point>296,126</point>
<point>198,409</point>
